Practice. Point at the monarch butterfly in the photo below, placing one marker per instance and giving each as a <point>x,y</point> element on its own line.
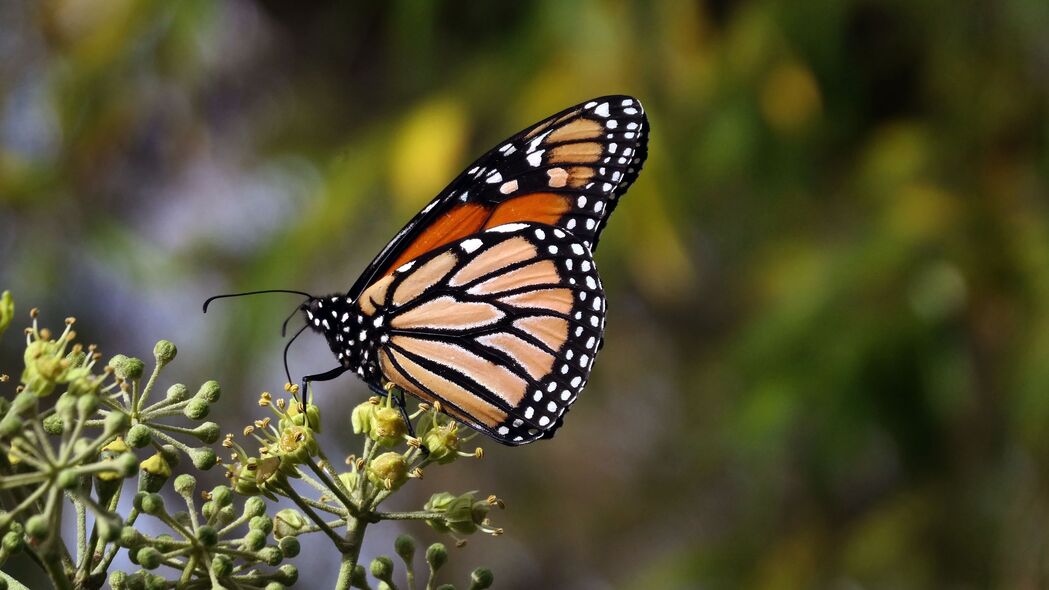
<point>488,300</point>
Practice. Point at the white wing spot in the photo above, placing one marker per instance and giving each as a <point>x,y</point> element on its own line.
<point>535,158</point>
<point>577,249</point>
<point>611,123</point>
<point>406,266</point>
<point>540,234</point>
<point>503,430</point>
<point>508,187</point>
<point>602,109</point>
<point>551,387</point>
<point>544,420</point>
<point>469,246</point>
<point>551,407</point>
<point>581,202</point>
<point>565,395</point>
<point>494,178</point>
<point>576,381</point>
<point>630,111</point>
<point>507,228</point>
<point>590,104</point>
<point>552,249</point>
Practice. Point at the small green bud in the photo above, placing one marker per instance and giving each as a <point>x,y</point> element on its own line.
<point>67,479</point>
<point>359,577</point>
<point>155,582</point>
<point>116,421</point>
<point>254,506</point>
<point>139,436</point>
<point>274,586</point>
<point>254,540</point>
<point>149,557</point>
<point>66,407</point>
<point>118,581</point>
<point>221,496</point>
<point>289,546</point>
<point>207,535</point>
<point>404,545</point>
<point>185,484</point>
<point>221,565</point>
<point>362,415</point>
<point>37,527</point>
<point>164,352</point>
<point>382,568</point>
<point>288,523</point>
<point>271,555</point>
<point>109,528</point>
<point>54,424</point>
<point>155,473</point>
<point>207,432</point>
<point>481,578</point>
<point>13,542</point>
<point>287,574</point>
<point>196,409</point>
<point>209,392</point>
<point>203,458</point>
<point>127,464</point>
<point>389,470</point>
<point>151,503</point>
<point>225,515</point>
<point>261,523</point>
<point>84,385</point>
<point>127,368</point>
<point>436,556</point>
<point>86,405</point>
<point>177,393</point>
<point>131,538</point>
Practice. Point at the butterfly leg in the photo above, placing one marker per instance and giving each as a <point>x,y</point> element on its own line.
<point>325,376</point>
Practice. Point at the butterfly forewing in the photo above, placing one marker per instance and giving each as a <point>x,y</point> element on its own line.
<point>566,171</point>
<point>501,327</point>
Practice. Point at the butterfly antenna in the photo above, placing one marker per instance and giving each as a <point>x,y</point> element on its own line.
<point>284,326</point>
<point>288,347</point>
<point>208,301</point>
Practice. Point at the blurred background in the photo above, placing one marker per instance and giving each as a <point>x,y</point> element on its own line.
<point>827,356</point>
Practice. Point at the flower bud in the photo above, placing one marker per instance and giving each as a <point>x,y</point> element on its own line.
<point>287,574</point>
<point>221,565</point>
<point>404,545</point>
<point>109,528</point>
<point>196,409</point>
<point>13,542</point>
<point>288,523</point>
<point>254,540</point>
<point>209,392</point>
<point>361,418</point>
<point>207,535</point>
<point>127,368</point>
<point>86,405</point>
<point>382,569</point>
<point>254,507</point>
<point>149,558</point>
<point>359,577</point>
<point>37,527</point>
<point>289,546</point>
<point>222,496</point>
<point>164,352</point>
<point>67,479</point>
<point>7,310</point>
<point>139,436</point>
<point>203,458</point>
<point>116,421</point>
<point>84,385</point>
<point>271,555</point>
<point>436,556</point>
<point>207,432</point>
<point>131,538</point>
<point>150,503</point>
<point>118,581</point>
<point>53,424</point>
<point>177,393</point>
<point>261,523</point>
<point>185,484</point>
<point>388,470</point>
<point>481,578</point>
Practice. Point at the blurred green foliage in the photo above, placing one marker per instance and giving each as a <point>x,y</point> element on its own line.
<point>826,361</point>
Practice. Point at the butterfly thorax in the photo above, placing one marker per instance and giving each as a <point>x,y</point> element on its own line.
<point>351,338</point>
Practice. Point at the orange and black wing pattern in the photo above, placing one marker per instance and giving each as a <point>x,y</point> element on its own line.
<point>567,171</point>
<point>501,327</point>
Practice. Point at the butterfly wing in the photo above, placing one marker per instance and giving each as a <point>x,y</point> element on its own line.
<point>567,171</point>
<point>501,327</point>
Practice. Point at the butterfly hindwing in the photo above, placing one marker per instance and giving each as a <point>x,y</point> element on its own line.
<point>567,171</point>
<point>501,327</point>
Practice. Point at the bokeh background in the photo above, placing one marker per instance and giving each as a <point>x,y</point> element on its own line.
<point>827,357</point>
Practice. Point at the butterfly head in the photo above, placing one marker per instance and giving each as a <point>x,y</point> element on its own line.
<point>336,317</point>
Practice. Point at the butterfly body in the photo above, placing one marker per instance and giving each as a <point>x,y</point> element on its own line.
<point>489,299</point>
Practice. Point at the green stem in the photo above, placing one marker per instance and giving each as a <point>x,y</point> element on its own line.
<point>355,528</point>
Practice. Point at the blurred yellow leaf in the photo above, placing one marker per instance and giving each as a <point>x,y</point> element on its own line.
<point>426,153</point>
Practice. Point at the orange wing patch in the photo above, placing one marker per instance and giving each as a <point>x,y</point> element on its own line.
<point>537,207</point>
<point>457,223</point>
